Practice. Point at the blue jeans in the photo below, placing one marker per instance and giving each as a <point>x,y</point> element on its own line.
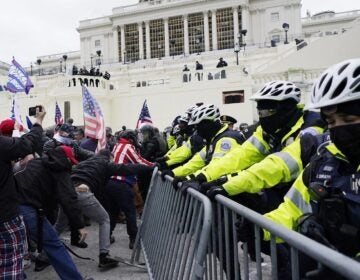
<point>54,248</point>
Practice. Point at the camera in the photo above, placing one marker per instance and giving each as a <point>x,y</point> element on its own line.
<point>32,110</point>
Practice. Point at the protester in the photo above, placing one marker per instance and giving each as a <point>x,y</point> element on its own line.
<point>89,178</point>
<point>221,63</point>
<point>119,190</point>
<point>12,228</point>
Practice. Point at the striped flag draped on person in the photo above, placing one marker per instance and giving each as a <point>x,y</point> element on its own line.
<point>18,79</point>
<point>93,119</point>
<point>58,116</point>
<point>144,117</point>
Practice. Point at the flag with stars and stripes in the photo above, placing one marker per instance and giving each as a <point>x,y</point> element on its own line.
<point>58,116</point>
<point>93,119</point>
<point>144,117</point>
<point>18,79</point>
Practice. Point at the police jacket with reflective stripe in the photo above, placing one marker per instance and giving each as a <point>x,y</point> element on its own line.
<point>217,149</point>
<point>329,169</point>
<point>183,153</point>
<point>263,166</point>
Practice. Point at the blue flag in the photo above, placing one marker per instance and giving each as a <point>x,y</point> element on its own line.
<point>18,79</point>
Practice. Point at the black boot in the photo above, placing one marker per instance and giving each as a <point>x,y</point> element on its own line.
<point>40,264</point>
<point>105,261</point>
<point>75,240</point>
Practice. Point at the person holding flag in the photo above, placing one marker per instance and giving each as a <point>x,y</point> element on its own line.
<point>93,119</point>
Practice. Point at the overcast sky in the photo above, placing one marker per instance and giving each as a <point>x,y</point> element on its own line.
<point>30,28</point>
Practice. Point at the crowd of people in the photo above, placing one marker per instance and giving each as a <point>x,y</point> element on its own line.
<point>298,167</point>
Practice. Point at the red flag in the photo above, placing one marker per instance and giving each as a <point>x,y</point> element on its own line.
<point>93,119</point>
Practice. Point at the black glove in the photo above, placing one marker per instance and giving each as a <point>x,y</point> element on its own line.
<point>161,163</point>
<point>201,178</point>
<point>189,184</point>
<point>215,190</point>
<point>219,182</point>
<point>176,181</point>
<point>166,172</point>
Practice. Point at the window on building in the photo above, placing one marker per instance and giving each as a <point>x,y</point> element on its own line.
<point>236,96</point>
<point>132,42</point>
<point>276,38</point>
<point>144,39</point>
<point>225,28</point>
<point>275,17</point>
<point>97,43</point>
<point>196,33</point>
<point>176,35</point>
<point>157,43</point>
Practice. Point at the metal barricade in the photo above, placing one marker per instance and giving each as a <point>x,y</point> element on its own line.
<point>229,259</point>
<point>174,232</point>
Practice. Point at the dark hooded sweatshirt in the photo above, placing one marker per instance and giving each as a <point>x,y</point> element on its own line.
<point>45,183</point>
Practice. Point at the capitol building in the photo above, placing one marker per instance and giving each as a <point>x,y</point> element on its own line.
<point>147,46</point>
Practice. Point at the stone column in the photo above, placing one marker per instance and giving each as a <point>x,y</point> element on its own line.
<point>186,35</point>
<point>141,41</point>
<point>116,43</point>
<point>123,50</point>
<point>206,32</point>
<point>214,30</point>
<point>166,36</point>
<point>236,24</point>
<point>147,34</point>
<point>245,23</point>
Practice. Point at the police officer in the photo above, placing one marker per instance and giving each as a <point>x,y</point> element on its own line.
<point>326,195</point>
<point>276,152</point>
<point>230,121</point>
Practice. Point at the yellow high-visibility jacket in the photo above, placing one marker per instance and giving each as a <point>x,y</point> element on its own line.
<point>297,201</point>
<point>200,164</point>
<point>258,167</point>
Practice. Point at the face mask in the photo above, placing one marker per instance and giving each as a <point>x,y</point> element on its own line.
<point>347,139</point>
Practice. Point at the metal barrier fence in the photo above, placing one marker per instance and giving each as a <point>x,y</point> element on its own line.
<point>185,237</point>
<point>174,232</point>
<point>230,259</point>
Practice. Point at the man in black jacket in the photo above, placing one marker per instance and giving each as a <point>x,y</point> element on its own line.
<point>89,178</point>
<point>43,184</point>
<point>12,228</point>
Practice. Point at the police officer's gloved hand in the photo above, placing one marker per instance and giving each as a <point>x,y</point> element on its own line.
<point>215,190</point>
<point>166,172</point>
<point>201,178</point>
<point>218,182</point>
<point>161,163</point>
<point>189,184</point>
<point>176,182</point>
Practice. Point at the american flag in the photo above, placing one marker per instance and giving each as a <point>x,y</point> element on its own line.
<point>93,119</point>
<point>18,79</point>
<point>58,116</point>
<point>144,117</point>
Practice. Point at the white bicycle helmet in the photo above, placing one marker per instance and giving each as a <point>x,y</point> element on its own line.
<point>278,91</point>
<point>338,84</point>
<point>185,118</point>
<point>204,112</point>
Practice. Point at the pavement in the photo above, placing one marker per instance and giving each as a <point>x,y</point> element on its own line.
<point>90,268</point>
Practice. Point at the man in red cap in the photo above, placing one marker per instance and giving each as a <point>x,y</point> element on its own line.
<point>8,126</point>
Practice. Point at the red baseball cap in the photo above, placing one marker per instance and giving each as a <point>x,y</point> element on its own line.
<point>7,127</point>
<point>69,154</point>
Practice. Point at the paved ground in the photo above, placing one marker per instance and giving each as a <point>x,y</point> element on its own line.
<point>89,268</point>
